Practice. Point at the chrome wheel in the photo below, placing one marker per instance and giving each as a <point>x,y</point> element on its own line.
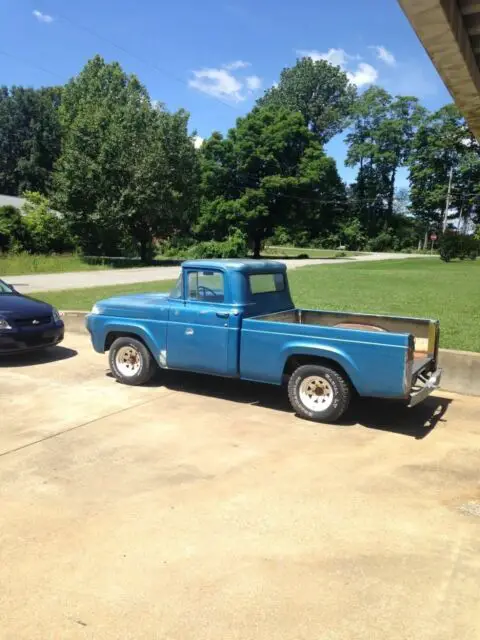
<point>316,393</point>
<point>128,361</point>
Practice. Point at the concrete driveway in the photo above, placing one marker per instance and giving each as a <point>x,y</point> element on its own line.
<point>201,508</point>
<point>57,281</point>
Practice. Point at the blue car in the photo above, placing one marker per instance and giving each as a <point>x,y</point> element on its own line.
<point>26,324</point>
<point>236,319</point>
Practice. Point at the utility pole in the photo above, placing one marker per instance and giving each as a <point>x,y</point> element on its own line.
<point>447,201</point>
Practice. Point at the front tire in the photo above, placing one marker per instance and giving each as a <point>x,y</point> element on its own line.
<point>319,393</point>
<point>130,361</point>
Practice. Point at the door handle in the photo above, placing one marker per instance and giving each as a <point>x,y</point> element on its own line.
<point>223,314</point>
<point>189,332</point>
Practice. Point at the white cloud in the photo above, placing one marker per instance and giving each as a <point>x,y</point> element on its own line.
<point>337,57</point>
<point>362,75</point>
<point>218,83</point>
<point>197,141</point>
<point>222,83</point>
<point>253,82</point>
<point>42,17</point>
<point>236,64</point>
<point>385,55</point>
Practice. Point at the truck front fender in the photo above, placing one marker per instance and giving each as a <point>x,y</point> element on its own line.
<point>304,348</point>
<point>101,327</point>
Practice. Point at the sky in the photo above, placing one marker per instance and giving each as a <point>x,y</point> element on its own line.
<point>215,57</point>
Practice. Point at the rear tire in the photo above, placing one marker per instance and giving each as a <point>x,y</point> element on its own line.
<point>130,361</point>
<point>319,393</point>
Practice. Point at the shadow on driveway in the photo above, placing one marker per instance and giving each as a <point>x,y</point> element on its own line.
<point>383,415</point>
<point>42,356</point>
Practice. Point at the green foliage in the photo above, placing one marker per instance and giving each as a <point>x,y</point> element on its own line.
<point>234,246</point>
<point>379,144</point>
<point>126,178</point>
<point>13,233</point>
<point>46,229</point>
<point>456,245</point>
<point>29,138</point>
<point>351,235</point>
<point>269,171</point>
<point>442,144</point>
<point>320,91</point>
<point>126,170</point>
<point>382,242</point>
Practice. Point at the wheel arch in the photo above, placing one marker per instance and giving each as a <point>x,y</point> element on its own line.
<point>113,332</point>
<point>332,358</point>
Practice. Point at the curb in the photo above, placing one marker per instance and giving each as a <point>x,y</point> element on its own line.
<point>74,321</point>
<point>461,369</point>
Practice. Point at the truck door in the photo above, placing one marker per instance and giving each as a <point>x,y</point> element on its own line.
<point>198,327</point>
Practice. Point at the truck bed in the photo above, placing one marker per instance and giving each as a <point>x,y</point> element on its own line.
<point>374,350</point>
<point>425,332</point>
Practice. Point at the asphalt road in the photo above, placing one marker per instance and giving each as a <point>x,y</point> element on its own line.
<point>201,508</point>
<point>79,279</point>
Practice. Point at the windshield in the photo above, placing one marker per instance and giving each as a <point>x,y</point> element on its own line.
<point>4,288</point>
<point>177,291</point>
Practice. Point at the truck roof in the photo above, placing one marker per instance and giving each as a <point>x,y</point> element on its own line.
<point>245,265</point>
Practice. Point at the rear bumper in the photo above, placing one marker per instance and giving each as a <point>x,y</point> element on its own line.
<point>28,340</point>
<point>425,385</point>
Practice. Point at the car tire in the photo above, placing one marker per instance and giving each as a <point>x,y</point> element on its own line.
<point>319,393</point>
<point>130,361</point>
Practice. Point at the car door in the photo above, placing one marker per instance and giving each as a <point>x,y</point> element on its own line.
<point>198,327</point>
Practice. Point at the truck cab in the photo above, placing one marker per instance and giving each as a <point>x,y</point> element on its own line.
<point>236,318</point>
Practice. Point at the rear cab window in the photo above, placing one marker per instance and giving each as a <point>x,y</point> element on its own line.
<point>266,283</point>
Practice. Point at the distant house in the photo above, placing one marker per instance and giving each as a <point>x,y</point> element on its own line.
<point>11,201</point>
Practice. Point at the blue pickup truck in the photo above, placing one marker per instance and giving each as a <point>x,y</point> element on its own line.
<point>236,318</point>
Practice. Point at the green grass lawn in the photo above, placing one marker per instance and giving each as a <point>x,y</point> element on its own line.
<point>84,299</point>
<point>415,287</point>
<point>25,263</point>
<point>426,288</point>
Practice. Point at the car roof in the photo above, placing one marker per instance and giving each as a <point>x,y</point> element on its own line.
<point>245,265</point>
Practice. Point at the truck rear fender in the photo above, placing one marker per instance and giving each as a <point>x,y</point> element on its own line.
<point>302,353</point>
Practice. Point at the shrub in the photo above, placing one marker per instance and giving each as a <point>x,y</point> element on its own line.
<point>456,245</point>
<point>47,230</point>
<point>233,247</point>
<point>383,242</point>
<point>13,233</point>
<point>281,237</point>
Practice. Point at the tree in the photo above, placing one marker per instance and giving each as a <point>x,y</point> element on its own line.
<point>29,138</point>
<point>443,145</point>
<point>379,144</point>
<point>127,173</point>
<point>269,171</point>
<point>320,91</point>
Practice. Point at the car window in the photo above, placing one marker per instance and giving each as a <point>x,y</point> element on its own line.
<point>177,291</point>
<point>267,283</point>
<point>207,286</point>
<point>4,288</point>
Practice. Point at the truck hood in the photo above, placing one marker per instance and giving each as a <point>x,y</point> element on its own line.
<point>133,304</point>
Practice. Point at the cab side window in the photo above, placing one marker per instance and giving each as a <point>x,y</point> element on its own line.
<point>206,286</point>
